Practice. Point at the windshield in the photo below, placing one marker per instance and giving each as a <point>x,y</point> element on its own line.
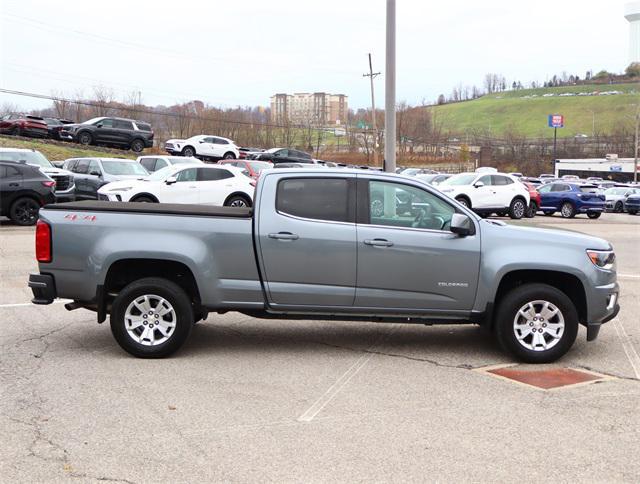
<point>29,157</point>
<point>461,179</point>
<point>123,168</point>
<point>258,166</point>
<point>616,191</point>
<point>410,171</point>
<point>93,120</point>
<point>162,173</point>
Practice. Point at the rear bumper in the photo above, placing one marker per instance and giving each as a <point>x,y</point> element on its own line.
<point>43,288</point>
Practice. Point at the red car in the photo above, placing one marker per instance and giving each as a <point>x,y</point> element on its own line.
<point>24,125</point>
<point>252,167</point>
<point>534,204</point>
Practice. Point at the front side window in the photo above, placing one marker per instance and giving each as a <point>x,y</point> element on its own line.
<point>105,123</point>
<point>398,205</point>
<point>487,180</point>
<point>82,167</point>
<point>94,168</point>
<point>188,175</point>
<point>315,198</point>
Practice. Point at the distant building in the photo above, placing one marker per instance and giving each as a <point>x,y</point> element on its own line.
<point>318,108</point>
<point>609,168</point>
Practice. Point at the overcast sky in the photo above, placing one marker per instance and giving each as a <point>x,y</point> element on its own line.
<point>240,52</point>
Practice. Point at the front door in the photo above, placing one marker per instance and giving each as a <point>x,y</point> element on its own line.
<point>184,190</point>
<point>105,132</point>
<point>307,245</point>
<point>484,196</point>
<point>407,257</point>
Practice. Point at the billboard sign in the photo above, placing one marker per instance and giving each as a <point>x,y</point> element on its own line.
<point>556,121</point>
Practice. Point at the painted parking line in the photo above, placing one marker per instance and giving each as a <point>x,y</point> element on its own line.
<point>629,350</point>
<point>341,382</point>
<point>628,276</point>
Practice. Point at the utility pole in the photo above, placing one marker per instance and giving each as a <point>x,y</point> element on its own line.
<point>372,75</point>
<point>390,91</point>
<point>635,161</point>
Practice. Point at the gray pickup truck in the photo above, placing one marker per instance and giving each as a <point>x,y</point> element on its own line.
<point>323,244</point>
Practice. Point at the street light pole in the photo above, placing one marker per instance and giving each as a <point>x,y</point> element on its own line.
<point>635,161</point>
<point>390,91</point>
<point>372,75</point>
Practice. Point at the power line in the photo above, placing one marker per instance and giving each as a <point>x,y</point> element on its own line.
<point>160,113</point>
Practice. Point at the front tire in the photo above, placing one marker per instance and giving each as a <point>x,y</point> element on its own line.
<point>517,209</point>
<point>594,215</point>
<point>619,208</point>
<point>24,211</point>
<point>536,322</point>
<point>567,210</point>
<point>143,200</point>
<point>188,151</point>
<point>151,318</point>
<point>464,202</point>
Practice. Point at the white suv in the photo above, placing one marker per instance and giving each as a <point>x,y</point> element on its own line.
<point>203,146</point>
<point>487,193</point>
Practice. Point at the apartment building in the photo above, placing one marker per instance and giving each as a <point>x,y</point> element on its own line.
<point>318,108</point>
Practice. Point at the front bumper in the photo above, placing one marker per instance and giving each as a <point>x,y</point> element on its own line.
<point>43,287</point>
<point>65,196</point>
<point>603,306</point>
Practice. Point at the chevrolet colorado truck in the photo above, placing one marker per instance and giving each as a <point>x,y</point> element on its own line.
<point>315,246</point>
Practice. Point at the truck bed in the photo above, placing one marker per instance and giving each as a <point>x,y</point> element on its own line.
<point>157,208</point>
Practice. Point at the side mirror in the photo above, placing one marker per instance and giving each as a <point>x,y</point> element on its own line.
<point>171,180</point>
<point>201,141</point>
<point>478,184</point>
<point>99,125</point>
<point>462,225</point>
<point>95,173</point>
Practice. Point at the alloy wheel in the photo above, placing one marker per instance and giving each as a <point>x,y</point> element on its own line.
<point>538,325</point>
<point>150,320</point>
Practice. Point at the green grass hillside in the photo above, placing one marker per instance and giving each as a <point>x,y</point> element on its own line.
<point>499,112</point>
<point>57,150</point>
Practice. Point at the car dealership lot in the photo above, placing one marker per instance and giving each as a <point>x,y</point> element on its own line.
<point>249,399</point>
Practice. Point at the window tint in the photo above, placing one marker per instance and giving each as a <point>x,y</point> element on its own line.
<point>560,187</point>
<point>500,180</point>
<point>545,188</point>
<point>486,180</point>
<point>282,153</point>
<point>411,207</point>
<point>160,163</point>
<point>315,198</point>
<point>12,171</point>
<point>143,126</point>
<point>106,123</point>
<point>187,175</point>
<point>120,124</point>
<point>213,174</point>
<point>82,167</point>
<point>220,141</point>
<point>94,168</point>
<point>208,140</point>
<point>149,163</point>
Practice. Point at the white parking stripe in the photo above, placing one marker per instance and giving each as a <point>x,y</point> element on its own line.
<point>628,276</point>
<point>630,351</point>
<point>334,389</point>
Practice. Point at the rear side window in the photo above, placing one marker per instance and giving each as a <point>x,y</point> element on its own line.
<point>588,189</point>
<point>315,198</point>
<point>143,126</point>
<point>149,164</point>
<point>120,124</point>
<point>213,174</point>
<point>501,180</point>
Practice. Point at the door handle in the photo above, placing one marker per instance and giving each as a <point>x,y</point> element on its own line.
<point>378,242</point>
<point>284,236</point>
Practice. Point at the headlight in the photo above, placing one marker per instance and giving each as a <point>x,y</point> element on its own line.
<point>124,189</point>
<point>604,259</point>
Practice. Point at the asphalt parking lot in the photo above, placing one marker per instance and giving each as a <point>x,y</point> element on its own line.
<point>257,400</point>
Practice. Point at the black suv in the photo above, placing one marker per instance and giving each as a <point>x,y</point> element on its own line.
<point>23,190</point>
<point>283,155</point>
<point>55,125</point>
<point>119,132</point>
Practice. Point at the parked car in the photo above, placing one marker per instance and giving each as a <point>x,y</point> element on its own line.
<point>570,177</point>
<point>203,146</point>
<point>91,173</point>
<point>516,174</point>
<point>616,196</point>
<point>546,175</point>
<point>312,248</point>
<point>536,182</point>
<point>283,155</point>
<point>571,199</point>
<point>434,180</point>
<point>65,185</point>
<point>153,163</point>
<point>55,125</point>
<point>251,167</point>
<point>487,193</point>
<point>534,200</point>
<point>23,190</point>
<point>244,152</point>
<point>194,183</point>
<point>632,204</point>
<point>120,132</point>
<point>418,171</point>
<point>594,179</point>
<point>23,125</point>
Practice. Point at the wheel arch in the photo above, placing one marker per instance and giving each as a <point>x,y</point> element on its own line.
<point>568,283</point>
<point>240,194</point>
<point>145,194</point>
<point>466,197</point>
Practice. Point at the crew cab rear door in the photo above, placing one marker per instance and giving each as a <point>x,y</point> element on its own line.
<point>307,239</point>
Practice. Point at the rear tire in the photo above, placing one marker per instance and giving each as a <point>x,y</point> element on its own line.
<point>85,138</point>
<point>536,322</point>
<point>594,215</point>
<point>229,156</point>
<point>567,210</point>
<point>532,210</point>
<point>137,145</point>
<point>24,211</point>
<point>517,209</point>
<point>238,201</point>
<point>151,318</point>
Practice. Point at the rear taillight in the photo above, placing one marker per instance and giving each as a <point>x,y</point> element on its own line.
<point>253,183</point>
<point>43,241</point>
<point>49,184</point>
